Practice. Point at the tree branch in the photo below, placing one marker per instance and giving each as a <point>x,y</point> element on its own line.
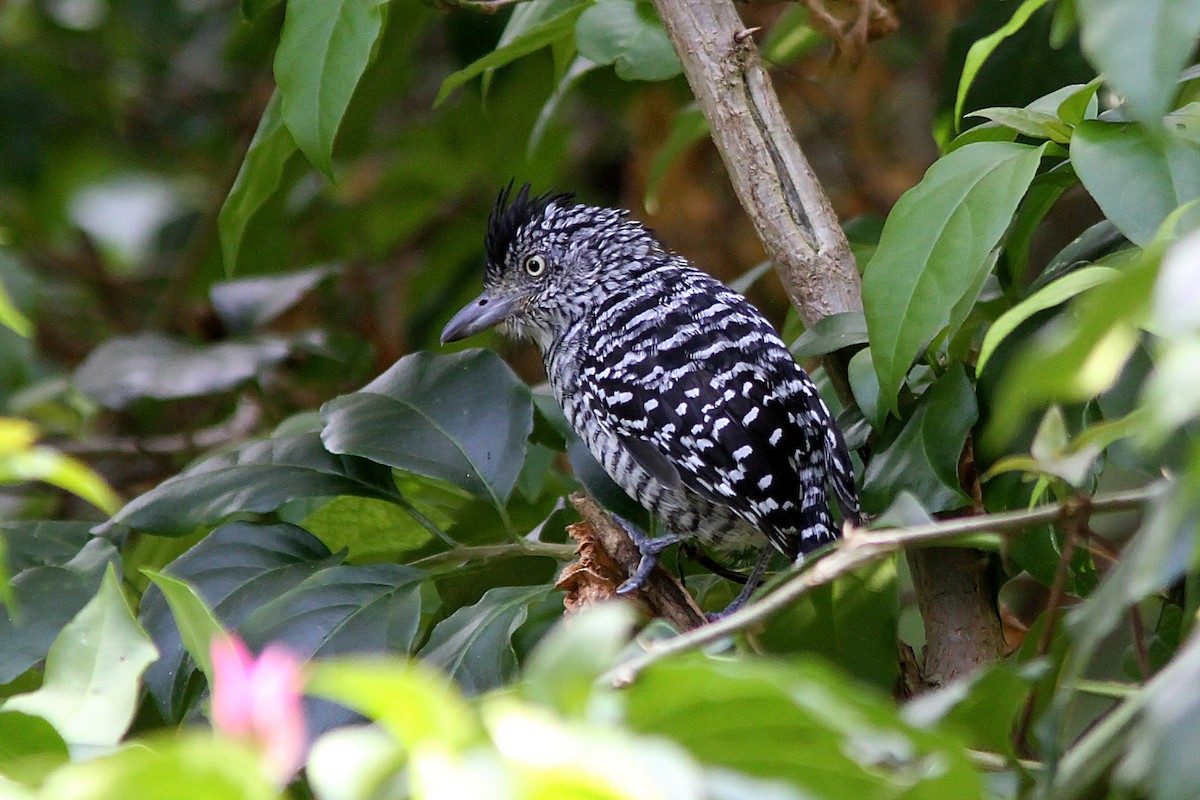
<point>861,547</point>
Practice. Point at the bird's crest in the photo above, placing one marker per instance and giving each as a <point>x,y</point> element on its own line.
<point>509,217</point>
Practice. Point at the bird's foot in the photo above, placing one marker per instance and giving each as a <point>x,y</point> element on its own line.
<point>650,547</point>
<point>753,581</point>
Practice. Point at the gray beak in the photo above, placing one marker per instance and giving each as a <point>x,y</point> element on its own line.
<point>478,315</point>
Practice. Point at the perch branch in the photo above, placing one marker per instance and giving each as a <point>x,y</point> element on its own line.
<point>861,547</point>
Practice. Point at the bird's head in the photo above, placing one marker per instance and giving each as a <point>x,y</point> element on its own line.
<point>549,259</point>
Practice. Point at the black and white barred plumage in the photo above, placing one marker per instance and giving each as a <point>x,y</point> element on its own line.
<point>679,387</point>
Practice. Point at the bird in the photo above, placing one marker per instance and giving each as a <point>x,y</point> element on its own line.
<point>680,388</point>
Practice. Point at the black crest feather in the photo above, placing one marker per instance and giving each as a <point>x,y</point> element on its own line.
<point>508,217</point>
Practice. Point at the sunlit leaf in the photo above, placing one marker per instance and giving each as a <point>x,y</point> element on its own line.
<point>1049,296</point>
<point>938,241</point>
<point>197,625</point>
<point>93,671</point>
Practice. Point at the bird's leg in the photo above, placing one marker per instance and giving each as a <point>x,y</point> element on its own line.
<point>650,547</point>
<point>752,583</point>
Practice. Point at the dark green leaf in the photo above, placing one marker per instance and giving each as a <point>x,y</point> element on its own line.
<point>462,418</point>
<point>1141,46</point>
<point>864,383</point>
<point>251,9</point>
<point>1136,177</point>
<point>831,333</point>
<point>628,35</point>
<point>938,240</point>
<point>48,594</point>
<point>259,476</point>
<point>151,365</point>
<point>324,49</point>
<point>982,707</point>
<point>923,459</point>
<point>236,569</point>
<point>261,178</point>
<point>474,644</point>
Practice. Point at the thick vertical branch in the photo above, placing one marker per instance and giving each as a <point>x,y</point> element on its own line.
<point>770,174</point>
<point>801,234</point>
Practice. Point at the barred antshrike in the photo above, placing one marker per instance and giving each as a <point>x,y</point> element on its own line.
<point>679,387</point>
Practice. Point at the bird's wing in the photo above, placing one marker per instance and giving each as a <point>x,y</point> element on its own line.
<point>739,423</point>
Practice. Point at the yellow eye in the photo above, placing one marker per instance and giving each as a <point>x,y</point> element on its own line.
<point>535,265</point>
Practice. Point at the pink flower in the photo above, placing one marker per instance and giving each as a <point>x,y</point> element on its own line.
<point>258,700</point>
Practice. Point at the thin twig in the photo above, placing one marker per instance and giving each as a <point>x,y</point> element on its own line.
<point>862,547</point>
<point>489,552</point>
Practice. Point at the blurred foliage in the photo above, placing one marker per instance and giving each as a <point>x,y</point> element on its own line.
<point>229,235</point>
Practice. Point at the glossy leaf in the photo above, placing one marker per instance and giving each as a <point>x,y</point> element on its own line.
<point>56,569</point>
<point>628,35</point>
<point>324,49</point>
<point>1136,176</point>
<point>246,304</point>
<point>474,644</point>
<point>259,476</point>
<point>923,459</point>
<point>129,368</point>
<point>938,240</point>
<point>235,570</point>
<point>1056,293</point>
<point>93,672</point>
<point>1141,46</point>
<point>264,174</point>
<point>462,418</point>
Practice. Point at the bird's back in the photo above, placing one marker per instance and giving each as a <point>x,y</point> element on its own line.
<point>692,403</point>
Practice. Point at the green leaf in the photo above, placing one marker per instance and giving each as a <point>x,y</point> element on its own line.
<point>1141,46</point>
<point>1137,177</point>
<point>129,368</point>
<point>11,316</point>
<point>265,171</point>
<point>410,701</point>
<point>763,719</point>
<point>93,672</point>
<point>252,9</point>
<point>983,48</point>
<point>1047,297</point>
<point>938,240</point>
<point>923,459</point>
<point>628,35</point>
<point>197,624</point>
<point>246,304</point>
<point>57,568</point>
<point>29,747</point>
<point>982,707</point>
<point>324,49</point>
<point>791,37</point>
<point>462,418</point>
<point>530,41</point>
<point>187,766</point>
<point>526,17</point>
<point>566,666</point>
<point>864,383</point>
<point>34,463</point>
<point>236,569</point>
<point>831,333</point>
<point>259,476</point>
<point>380,530</point>
<point>474,644</point>
<point>1036,124</point>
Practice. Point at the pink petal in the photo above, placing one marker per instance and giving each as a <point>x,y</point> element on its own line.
<point>232,689</point>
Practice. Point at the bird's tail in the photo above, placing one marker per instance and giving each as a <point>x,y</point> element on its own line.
<point>841,474</point>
